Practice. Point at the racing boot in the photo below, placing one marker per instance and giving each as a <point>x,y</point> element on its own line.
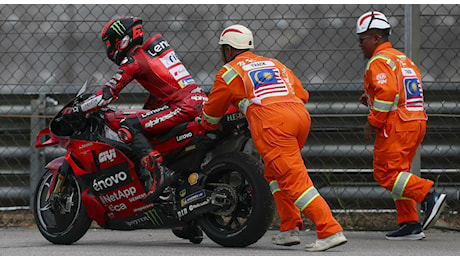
<point>192,232</point>
<point>161,175</point>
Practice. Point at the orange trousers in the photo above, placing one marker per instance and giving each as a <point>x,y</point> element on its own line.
<point>394,149</point>
<point>279,132</point>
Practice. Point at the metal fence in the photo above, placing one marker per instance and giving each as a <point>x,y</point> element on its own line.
<point>48,51</point>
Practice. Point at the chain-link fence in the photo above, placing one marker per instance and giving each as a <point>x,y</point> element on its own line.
<point>48,51</point>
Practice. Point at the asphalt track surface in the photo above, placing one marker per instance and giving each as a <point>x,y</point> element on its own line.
<point>99,242</point>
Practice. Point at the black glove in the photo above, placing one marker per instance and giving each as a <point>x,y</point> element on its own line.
<point>72,113</point>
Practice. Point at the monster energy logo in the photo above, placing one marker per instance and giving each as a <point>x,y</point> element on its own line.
<point>154,217</point>
<point>118,27</point>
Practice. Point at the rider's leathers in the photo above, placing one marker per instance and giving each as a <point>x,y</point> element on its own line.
<point>174,97</point>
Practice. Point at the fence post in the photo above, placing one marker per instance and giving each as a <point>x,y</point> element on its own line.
<point>411,48</point>
<point>37,157</point>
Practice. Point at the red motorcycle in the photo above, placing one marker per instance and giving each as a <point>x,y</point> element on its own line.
<point>219,187</point>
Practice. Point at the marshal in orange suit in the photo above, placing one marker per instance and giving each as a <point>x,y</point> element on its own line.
<point>272,99</point>
<point>394,94</point>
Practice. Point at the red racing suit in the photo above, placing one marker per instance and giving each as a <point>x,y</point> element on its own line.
<point>174,97</point>
<point>272,99</point>
<point>393,86</point>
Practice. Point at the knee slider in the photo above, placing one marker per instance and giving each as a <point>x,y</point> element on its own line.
<point>125,135</point>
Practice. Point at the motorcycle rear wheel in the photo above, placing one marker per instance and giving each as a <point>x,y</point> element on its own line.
<point>62,220</point>
<point>247,220</point>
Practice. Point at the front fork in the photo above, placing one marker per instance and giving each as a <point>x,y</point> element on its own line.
<point>55,195</point>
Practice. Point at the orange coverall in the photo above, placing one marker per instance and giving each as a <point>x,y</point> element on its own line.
<point>393,86</point>
<point>272,98</point>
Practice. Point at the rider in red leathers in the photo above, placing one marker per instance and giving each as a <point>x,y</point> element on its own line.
<point>174,97</point>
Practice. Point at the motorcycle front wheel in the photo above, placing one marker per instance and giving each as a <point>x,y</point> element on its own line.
<point>62,219</point>
<point>251,213</point>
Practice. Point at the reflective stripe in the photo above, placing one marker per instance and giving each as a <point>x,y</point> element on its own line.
<point>382,106</point>
<point>380,56</point>
<point>243,105</point>
<point>401,198</point>
<point>229,75</point>
<point>395,103</point>
<point>306,198</point>
<point>400,184</point>
<point>210,119</point>
<point>386,106</point>
<point>274,187</point>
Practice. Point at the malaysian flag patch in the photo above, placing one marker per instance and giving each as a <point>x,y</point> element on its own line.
<point>267,82</point>
<point>414,94</point>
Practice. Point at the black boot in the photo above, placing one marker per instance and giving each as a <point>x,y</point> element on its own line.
<point>192,232</point>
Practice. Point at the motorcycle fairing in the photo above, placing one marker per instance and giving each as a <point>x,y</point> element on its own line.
<point>111,178</point>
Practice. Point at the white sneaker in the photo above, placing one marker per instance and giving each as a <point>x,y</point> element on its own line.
<point>325,243</point>
<point>287,238</point>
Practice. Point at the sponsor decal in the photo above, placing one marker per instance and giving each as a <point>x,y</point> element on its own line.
<point>187,81</point>
<point>155,111</point>
<point>234,117</point>
<point>147,206</point>
<point>154,217</point>
<point>118,207</point>
<point>137,222</point>
<point>381,78</point>
<point>179,72</point>
<point>170,59</point>
<point>158,120</point>
<point>118,27</point>
<point>184,136</point>
<point>90,103</point>
<point>198,205</point>
<point>107,156</point>
<point>199,98</point>
<point>157,47</point>
<point>110,181</point>
<point>111,178</point>
<point>117,195</point>
<point>181,213</point>
<point>85,145</point>
<point>192,197</point>
<point>124,42</point>
<point>197,90</point>
<point>138,197</point>
<point>193,178</point>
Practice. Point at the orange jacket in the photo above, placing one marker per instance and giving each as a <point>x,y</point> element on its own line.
<point>248,80</point>
<point>392,82</point>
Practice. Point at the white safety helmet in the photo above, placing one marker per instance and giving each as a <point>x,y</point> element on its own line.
<point>372,20</point>
<point>237,36</point>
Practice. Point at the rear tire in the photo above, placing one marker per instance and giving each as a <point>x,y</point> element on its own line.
<point>56,223</point>
<point>245,222</point>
